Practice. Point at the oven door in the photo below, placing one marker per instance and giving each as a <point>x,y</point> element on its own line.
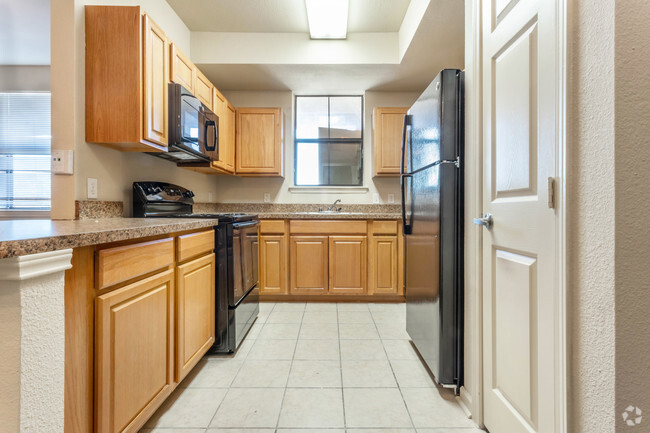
<point>245,270</point>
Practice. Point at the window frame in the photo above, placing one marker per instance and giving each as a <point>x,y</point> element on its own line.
<point>360,140</point>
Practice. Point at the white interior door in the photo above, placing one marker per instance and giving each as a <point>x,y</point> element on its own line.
<point>520,100</point>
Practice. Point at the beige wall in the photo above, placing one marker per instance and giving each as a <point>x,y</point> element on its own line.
<point>243,190</point>
<point>632,165</point>
<point>590,201</point>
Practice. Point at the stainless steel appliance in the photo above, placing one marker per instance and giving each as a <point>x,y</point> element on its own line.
<point>236,243</point>
<point>432,207</point>
<point>193,128</point>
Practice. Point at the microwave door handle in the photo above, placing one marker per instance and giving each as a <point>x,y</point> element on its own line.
<point>207,124</point>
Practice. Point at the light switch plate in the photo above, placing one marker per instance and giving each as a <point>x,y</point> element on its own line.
<point>92,187</point>
<point>267,197</point>
<point>375,198</point>
<point>391,198</point>
<point>62,161</point>
<point>210,197</point>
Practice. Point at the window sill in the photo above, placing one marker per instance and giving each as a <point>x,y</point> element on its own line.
<point>329,190</point>
<point>24,214</point>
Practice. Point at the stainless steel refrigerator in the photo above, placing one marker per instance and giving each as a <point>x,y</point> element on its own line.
<point>432,210</point>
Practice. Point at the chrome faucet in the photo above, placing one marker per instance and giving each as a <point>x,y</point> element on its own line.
<point>332,207</point>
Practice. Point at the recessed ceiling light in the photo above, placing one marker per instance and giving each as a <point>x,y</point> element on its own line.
<point>328,19</point>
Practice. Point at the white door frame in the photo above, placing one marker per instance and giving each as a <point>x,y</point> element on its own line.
<point>472,394</point>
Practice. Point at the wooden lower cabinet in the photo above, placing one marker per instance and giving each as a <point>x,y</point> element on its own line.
<point>134,349</point>
<point>194,312</point>
<point>348,264</point>
<point>273,264</point>
<point>384,268</point>
<point>309,265</point>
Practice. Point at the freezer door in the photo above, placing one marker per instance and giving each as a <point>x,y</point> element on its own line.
<point>424,132</point>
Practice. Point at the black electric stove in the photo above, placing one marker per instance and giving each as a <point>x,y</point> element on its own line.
<point>236,274</point>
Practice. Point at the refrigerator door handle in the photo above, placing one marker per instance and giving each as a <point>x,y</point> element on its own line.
<point>405,125</point>
<point>406,226</point>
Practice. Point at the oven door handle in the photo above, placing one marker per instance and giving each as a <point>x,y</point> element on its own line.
<point>245,224</point>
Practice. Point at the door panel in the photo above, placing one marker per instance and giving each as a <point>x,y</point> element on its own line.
<point>519,76</point>
<point>156,78</point>
<point>309,265</point>
<point>273,265</point>
<point>347,264</point>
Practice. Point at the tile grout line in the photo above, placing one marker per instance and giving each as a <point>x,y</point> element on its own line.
<point>399,388</point>
<point>293,357</point>
<point>338,330</point>
<point>236,374</point>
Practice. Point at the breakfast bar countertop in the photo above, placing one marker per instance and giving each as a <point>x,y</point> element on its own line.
<point>23,237</point>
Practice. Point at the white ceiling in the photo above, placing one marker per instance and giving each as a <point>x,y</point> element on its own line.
<point>25,32</point>
<point>283,16</point>
<point>366,61</point>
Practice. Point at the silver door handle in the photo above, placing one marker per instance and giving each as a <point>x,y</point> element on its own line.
<point>485,221</point>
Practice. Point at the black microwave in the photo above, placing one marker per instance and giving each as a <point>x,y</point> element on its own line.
<point>193,128</point>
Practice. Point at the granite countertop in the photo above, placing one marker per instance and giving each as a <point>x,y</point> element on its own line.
<point>23,237</point>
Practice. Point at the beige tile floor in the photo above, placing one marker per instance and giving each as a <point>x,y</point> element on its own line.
<point>315,368</point>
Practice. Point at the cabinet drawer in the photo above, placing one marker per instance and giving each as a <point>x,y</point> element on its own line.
<point>328,227</point>
<point>384,227</point>
<point>272,227</point>
<point>119,264</point>
<point>194,244</point>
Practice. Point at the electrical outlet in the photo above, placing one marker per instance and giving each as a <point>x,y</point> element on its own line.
<point>375,198</point>
<point>210,197</point>
<point>92,187</point>
<point>267,197</point>
<point>62,161</point>
<point>391,198</point>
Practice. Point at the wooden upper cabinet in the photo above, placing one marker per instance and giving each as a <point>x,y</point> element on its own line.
<point>387,129</point>
<point>203,89</point>
<point>182,70</point>
<point>127,71</point>
<point>226,113</point>
<point>134,342</point>
<point>347,264</point>
<point>156,78</point>
<point>259,142</point>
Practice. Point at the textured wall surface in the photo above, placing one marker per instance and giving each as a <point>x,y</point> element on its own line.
<point>591,216</point>
<point>10,358</point>
<point>632,209</point>
<point>42,354</point>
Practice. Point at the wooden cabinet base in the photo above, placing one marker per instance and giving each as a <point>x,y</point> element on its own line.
<point>332,298</point>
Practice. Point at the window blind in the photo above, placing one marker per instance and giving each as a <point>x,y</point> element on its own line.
<point>25,138</point>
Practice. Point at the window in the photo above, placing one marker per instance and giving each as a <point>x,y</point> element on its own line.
<point>25,151</point>
<point>329,141</point>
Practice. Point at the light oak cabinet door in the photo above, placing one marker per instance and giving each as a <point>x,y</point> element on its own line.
<point>194,312</point>
<point>126,75</point>
<point>309,265</point>
<point>156,78</point>
<point>273,265</point>
<point>134,339</point>
<point>182,70</point>
<point>387,130</point>
<point>203,89</point>
<point>383,261</point>
<point>258,142</point>
<point>348,264</point>
<point>225,111</point>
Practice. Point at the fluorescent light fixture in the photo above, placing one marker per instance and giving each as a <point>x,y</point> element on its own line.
<point>328,19</point>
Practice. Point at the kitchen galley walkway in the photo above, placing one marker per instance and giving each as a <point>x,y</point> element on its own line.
<point>315,368</point>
